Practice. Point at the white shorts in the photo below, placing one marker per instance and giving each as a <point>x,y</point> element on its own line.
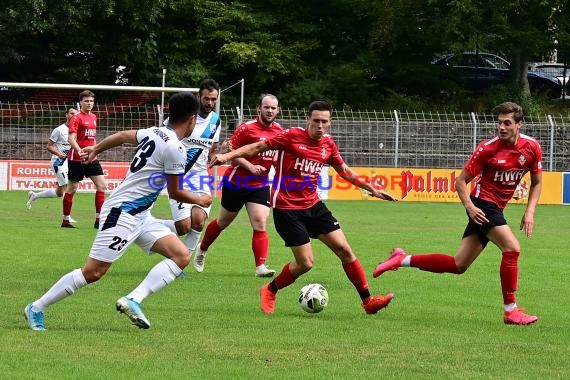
<point>61,173</point>
<point>200,186</point>
<point>120,229</point>
<point>181,211</point>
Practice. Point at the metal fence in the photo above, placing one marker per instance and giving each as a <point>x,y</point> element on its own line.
<point>365,138</point>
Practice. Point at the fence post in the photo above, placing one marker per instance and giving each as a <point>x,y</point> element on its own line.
<point>551,122</point>
<point>474,130</point>
<point>397,138</point>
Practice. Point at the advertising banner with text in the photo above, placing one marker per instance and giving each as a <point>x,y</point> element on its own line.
<point>431,185</point>
<point>411,185</point>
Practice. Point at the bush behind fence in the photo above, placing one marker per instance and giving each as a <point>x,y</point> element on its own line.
<point>365,138</point>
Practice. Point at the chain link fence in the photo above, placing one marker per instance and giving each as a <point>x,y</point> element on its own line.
<point>365,138</point>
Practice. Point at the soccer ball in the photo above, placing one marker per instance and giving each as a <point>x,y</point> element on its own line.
<point>313,298</point>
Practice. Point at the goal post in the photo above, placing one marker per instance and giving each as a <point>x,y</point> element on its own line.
<point>68,86</point>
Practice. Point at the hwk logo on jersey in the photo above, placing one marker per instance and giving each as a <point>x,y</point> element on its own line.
<point>212,128</point>
<point>323,153</point>
<point>522,159</point>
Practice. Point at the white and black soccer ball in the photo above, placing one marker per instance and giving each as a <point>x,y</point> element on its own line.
<point>313,298</point>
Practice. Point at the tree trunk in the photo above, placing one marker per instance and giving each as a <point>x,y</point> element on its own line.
<point>519,73</point>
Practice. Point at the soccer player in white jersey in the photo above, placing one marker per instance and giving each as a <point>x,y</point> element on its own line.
<point>190,219</point>
<point>159,162</point>
<point>58,146</point>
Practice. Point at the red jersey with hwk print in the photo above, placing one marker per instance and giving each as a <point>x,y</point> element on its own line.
<point>85,126</point>
<point>299,163</point>
<point>499,167</point>
<point>247,133</point>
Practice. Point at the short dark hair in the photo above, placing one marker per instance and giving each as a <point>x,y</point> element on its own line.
<point>509,107</point>
<point>320,105</point>
<point>85,94</point>
<point>263,96</point>
<point>182,106</point>
<point>208,84</point>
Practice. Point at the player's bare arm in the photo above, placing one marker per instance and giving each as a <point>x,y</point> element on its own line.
<point>462,189</point>
<point>72,140</point>
<point>253,169</point>
<point>225,147</point>
<point>177,192</point>
<point>116,139</point>
<point>213,150</point>
<point>245,151</point>
<point>527,221</point>
<point>351,176</point>
<point>53,150</point>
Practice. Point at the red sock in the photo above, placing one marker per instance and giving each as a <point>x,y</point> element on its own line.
<point>434,262</point>
<point>260,247</point>
<point>509,276</point>
<point>356,275</point>
<point>212,232</point>
<point>99,199</point>
<point>285,278</point>
<point>67,203</point>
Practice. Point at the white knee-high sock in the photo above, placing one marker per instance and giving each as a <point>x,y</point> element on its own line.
<point>162,274</point>
<point>66,286</point>
<point>49,193</point>
<point>191,239</point>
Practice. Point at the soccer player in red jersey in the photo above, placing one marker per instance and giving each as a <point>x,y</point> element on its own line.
<point>82,131</point>
<point>245,182</point>
<point>298,213</point>
<point>496,168</point>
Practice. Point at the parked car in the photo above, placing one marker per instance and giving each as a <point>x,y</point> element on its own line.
<point>478,71</point>
<point>553,70</point>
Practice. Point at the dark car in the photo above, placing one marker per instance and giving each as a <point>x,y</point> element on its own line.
<point>477,71</point>
<point>556,71</point>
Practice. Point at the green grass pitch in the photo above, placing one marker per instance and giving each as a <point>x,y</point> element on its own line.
<point>209,326</point>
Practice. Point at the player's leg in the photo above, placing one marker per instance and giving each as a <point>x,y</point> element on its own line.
<point>155,237</point>
<point>257,206</point>
<point>199,215</point>
<point>61,179</point>
<point>108,246</point>
<point>75,175</point>
<point>181,221</point>
<point>231,203</point>
<point>503,237</point>
<point>472,244</point>
<point>336,241</point>
<point>290,226</point>
<point>216,226</point>
<point>303,263</point>
<point>95,172</point>
<point>64,287</point>
<point>165,272</point>
<point>211,233</point>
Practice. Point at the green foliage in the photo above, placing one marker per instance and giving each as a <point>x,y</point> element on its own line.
<point>354,53</point>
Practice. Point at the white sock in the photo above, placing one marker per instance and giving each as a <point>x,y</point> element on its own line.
<point>191,239</point>
<point>510,307</point>
<point>66,286</point>
<point>406,261</point>
<point>162,274</point>
<point>49,193</point>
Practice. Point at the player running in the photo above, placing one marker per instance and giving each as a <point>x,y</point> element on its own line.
<point>126,218</point>
<point>496,168</point>
<point>298,213</point>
